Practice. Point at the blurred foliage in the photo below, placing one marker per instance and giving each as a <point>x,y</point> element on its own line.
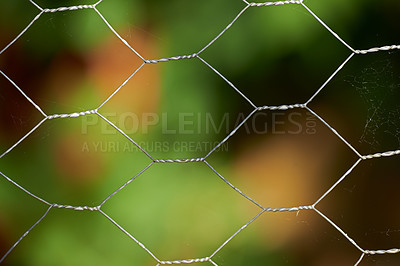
<point>71,61</point>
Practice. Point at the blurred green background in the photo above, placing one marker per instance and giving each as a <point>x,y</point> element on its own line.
<point>71,61</point>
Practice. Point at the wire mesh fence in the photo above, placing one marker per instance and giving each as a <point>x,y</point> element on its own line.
<point>168,174</point>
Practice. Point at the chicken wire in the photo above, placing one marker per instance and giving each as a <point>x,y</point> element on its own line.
<point>198,56</point>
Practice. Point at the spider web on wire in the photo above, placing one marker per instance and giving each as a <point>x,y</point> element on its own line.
<point>198,56</point>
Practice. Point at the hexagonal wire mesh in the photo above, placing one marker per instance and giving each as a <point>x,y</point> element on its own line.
<point>256,199</point>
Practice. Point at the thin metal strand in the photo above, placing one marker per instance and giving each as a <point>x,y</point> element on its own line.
<point>124,185</point>
<point>236,233</point>
<point>230,134</point>
<point>116,34</point>
<point>129,235</point>
<point>122,85</point>
<point>330,78</point>
<point>360,259</point>
<point>98,2</point>
<point>334,131</point>
<point>22,32</point>
<point>235,188</point>
<point>25,234</point>
<point>213,263</point>
<point>23,138</point>
<point>339,229</point>
<point>23,189</point>
<point>224,30</point>
<point>227,81</point>
<point>329,29</point>
<point>23,93</point>
<point>337,182</point>
<point>125,135</point>
<point>36,5</point>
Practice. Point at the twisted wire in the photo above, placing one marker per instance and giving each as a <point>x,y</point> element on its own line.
<point>187,261</point>
<point>75,208</point>
<point>72,115</point>
<point>68,8</point>
<point>277,3</point>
